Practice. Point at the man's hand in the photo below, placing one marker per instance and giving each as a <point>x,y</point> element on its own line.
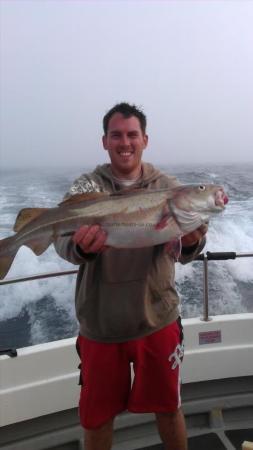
<point>194,237</point>
<point>90,239</point>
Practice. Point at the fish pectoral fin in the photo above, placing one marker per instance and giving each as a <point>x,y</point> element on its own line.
<point>163,222</point>
<point>26,215</point>
<point>85,197</point>
<point>39,246</point>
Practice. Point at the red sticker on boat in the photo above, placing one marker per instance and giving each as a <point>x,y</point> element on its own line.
<point>210,337</point>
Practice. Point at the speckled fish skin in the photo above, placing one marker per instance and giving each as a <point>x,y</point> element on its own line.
<point>136,219</point>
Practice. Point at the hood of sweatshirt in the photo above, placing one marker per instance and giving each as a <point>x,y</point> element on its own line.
<point>149,174</point>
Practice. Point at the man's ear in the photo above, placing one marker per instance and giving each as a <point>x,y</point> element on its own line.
<point>145,137</point>
<point>104,140</point>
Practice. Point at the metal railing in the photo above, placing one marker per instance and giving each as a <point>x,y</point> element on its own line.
<point>39,276</point>
<point>214,256</point>
<point>205,257</point>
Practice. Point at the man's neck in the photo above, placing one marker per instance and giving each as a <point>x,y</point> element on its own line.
<point>132,176</point>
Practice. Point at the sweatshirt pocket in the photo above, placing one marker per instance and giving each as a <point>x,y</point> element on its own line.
<point>118,265</point>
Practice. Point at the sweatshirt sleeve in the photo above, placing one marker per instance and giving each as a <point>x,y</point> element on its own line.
<point>64,246</point>
<point>71,252</point>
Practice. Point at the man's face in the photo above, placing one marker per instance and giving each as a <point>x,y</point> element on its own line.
<point>125,143</point>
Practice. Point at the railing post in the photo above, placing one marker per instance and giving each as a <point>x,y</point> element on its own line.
<point>205,288</point>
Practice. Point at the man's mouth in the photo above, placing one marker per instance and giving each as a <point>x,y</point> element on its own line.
<point>125,154</point>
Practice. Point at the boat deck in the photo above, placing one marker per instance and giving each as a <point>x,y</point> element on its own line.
<point>212,441</point>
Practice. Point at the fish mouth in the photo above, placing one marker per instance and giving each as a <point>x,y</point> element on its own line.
<point>221,199</point>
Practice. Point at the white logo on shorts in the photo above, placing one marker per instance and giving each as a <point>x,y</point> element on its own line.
<point>177,356</point>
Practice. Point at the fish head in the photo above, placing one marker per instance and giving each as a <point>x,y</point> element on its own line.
<point>201,198</point>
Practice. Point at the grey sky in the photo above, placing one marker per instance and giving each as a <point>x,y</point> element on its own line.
<point>189,64</point>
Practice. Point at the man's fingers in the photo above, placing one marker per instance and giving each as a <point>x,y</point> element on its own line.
<point>193,237</point>
<point>203,228</point>
<point>98,242</point>
<point>85,233</point>
<point>201,231</point>
<point>90,238</point>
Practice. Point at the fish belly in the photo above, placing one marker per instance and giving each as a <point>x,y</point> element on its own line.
<point>138,235</point>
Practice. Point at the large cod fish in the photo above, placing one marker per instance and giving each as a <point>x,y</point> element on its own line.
<point>132,219</point>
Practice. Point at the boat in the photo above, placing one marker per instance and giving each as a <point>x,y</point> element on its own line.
<point>39,387</point>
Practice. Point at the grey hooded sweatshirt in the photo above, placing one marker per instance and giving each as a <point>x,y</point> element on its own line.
<point>124,294</point>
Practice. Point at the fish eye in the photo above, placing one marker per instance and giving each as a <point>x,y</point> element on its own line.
<point>202,187</point>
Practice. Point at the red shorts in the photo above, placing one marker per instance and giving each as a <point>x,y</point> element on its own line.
<point>107,387</point>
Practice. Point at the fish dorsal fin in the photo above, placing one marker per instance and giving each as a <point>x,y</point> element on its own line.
<point>85,197</point>
<point>26,215</point>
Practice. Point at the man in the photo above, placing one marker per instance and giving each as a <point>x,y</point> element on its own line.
<point>126,301</point>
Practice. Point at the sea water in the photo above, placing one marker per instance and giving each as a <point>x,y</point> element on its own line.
<point>43,310</point>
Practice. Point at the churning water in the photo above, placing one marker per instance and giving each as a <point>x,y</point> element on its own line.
<point>41,311</point>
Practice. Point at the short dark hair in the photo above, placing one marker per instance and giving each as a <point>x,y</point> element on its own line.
<point>127,111</point>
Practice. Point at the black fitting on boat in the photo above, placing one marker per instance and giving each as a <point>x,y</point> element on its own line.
<point>12,352</point>
<point>216,256</point>
<point>220,255</point>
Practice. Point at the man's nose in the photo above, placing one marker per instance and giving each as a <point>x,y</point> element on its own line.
<point>125,141</point>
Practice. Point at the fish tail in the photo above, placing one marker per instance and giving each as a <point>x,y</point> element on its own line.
<point>7,254</point>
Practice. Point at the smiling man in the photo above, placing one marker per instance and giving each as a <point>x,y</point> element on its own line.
<point>125,141</point>
<point>126,302</point>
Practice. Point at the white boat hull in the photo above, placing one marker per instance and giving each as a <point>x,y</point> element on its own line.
<point>42,381</point>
